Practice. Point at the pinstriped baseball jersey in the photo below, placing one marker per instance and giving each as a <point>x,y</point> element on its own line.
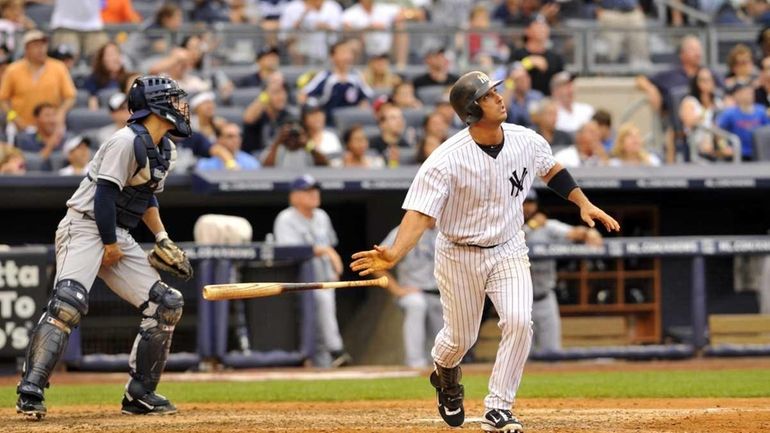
<point>477,199</point>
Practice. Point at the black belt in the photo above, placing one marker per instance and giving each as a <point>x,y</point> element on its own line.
<point>479,246</point>
<point>432,291</point>
<point>538,298</point>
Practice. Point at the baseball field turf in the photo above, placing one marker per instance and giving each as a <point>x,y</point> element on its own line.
<point>688,397</point>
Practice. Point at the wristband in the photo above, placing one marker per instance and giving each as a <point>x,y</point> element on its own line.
<point>264,98</point>
<point>231,164</point>
<point>509,84</point>
<point>160,236</point>
<point>562,183</point>
<point>527,63</point>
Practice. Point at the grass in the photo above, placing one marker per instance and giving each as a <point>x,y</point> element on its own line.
<point>637,384</point>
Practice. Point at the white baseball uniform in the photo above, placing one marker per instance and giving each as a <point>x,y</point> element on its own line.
<point>480,250</point>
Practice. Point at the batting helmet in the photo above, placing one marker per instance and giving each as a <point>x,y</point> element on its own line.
<point>466,91</point>
<point>161,96</point>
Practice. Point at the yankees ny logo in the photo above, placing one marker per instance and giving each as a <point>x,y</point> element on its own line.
<point>516,183</point>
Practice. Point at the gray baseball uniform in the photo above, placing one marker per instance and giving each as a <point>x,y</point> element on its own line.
<point>422,309</point>
<point>545,309</point>
<point>292,228</point>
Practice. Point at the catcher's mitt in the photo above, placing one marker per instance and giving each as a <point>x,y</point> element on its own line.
<point>166,256</point>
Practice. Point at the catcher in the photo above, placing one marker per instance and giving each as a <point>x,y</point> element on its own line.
<point>93,240</point>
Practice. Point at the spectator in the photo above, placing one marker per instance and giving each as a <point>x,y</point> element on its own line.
<point>520,96</point>
<point>544,119</point>
<point>270,12</point>
<point>119,12</point>
<point>438,70</point>
<point>392,125</point>
<point>740,65</point>
<point>13,21</point>
<point>229,137</point>
<point>210,11</point>
<point>763,42</point>
<point>263,118</point>
<point>357,153</point>
<point>5,60</point>
<point>519,13</point>
<point>340,86</point>
<point>290,149</point>
<point>435,132</point>
<point>78,23</point>
<point>762,94</point>
<point>108,72</point>
<point>204,118</point>
<point>77,150</point>
<point>304,24</point>
<point>629,149</point>
<point>12,160</point>
<point>314,122</point>
<point>268,62</point>
<point>65,54</point>
<point>378,74</point>
<point>485,47</point>
<point>703,88</point>
<point>743,118</point>
<point>118,106</point>
<point>758,11</point>
<point>449,13</point>
<point>571,114</point>
<point>403,96</point>
<point>444,108</point>
<point>305,223</point>
<point>36,79</point>
<point>541,62</point>
<point>587,150</point>
<point>48,137</point>
<point>603,119</point>
<point>376,23</point>
<point>626,15</point>
<point>696,143</point>
<point>157,36</point>
<point>179,66</point>
<point>241,13</point>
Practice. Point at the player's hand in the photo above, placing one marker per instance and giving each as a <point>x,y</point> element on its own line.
<point>594,238</point>
<point>336,261</point>
<point>112,254</point>
<point>589,213</point>
<point>402,291</point>
<point>368,262</point>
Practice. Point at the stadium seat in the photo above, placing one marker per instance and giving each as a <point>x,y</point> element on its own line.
<point>431,95</point>
<point>236,72</point>
<point>762,143</point>
<point>146,9</point>
<point>416,116</point>
<point>346,117</point>
<point>80,119</point>
<point>81,98</point>
<point>243,96</point>
<point>104,96</point>
<point>34,161</point>
<point>39,13</point>
<point>231,114</point>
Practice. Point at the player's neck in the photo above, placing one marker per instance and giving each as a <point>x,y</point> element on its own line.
<point>156,127</point>
<point>484,135</point>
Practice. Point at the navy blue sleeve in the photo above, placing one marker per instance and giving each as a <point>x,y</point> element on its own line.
<point>104,210</point>
<point>153,202</point>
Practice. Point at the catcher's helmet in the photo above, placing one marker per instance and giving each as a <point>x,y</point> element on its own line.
<point>161,96</point>
<point>466,91</point>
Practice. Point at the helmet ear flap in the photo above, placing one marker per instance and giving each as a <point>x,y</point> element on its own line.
<point>474,113</point>
<point>136,99</point>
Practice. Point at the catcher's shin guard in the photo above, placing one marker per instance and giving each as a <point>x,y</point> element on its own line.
<point>68,303</point>
<point>150,351</point>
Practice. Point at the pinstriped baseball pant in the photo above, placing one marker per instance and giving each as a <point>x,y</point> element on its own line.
<point>465,274</point>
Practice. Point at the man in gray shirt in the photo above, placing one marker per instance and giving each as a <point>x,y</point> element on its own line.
<point>418,297</point>
<point>304,223</point>
<point>545,309</point>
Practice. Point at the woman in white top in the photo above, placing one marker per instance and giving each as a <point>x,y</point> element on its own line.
<point>314,121</point>
<point>357,153</point>
<point>629,149</point>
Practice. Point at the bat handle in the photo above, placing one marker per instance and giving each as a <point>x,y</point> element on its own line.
<point>382,281</point>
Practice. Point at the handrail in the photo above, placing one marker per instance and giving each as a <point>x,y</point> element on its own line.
<point>733,139</point>
<point>687,10</point>
<point>635,106</point>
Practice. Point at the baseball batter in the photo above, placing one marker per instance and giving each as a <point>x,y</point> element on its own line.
<point>93,240</point>
<point>473,187</point>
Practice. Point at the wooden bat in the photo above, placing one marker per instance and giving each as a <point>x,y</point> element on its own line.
<point>219,292</point>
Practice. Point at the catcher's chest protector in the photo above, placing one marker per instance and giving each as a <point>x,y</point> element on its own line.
<point>153,165</point>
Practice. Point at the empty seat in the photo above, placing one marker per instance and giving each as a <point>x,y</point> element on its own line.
<point>762,143</point>
<point>244,96</point>
<point>231,114</point>
<point>346,117</point>
<point>81,98</point>
<point>236,72</point>
<point>80,119</point>
<point>431,95</point>
<point>415,116</point>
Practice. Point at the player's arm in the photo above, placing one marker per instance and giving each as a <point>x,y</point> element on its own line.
<point>561,182</point>
<point>151,219</point>
<point>413,225</point>
<point>105,214</point>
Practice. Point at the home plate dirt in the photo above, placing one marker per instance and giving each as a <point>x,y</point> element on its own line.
<point>538,415</point>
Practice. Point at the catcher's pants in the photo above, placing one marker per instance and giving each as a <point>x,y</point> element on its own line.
<point>79,251</point>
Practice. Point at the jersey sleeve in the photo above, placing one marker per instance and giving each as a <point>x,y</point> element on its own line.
<point>557,230</point>
<point>429,191</point>
<point>390,238</point>
<point>284,232</point>
<point>119,162</point>
<point>544,159</point>
<point>333,241</point>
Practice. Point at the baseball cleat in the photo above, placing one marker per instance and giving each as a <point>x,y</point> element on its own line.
<point>149,404</point>
<point>31,407</point>
<point>450,402</point>
<point>501,420</point>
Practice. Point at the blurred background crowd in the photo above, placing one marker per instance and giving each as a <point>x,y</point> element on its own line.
<point>300,83</point>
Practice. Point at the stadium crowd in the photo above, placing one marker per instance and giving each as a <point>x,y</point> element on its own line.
<point>340,84</point>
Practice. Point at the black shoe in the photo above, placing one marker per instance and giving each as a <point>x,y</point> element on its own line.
<point>500,420</point>
<point>340,359</point>
<point>450,402</point>
<point>31,407</point>
<point>149,404</point>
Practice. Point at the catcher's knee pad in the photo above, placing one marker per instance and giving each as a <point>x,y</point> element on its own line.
<point>169,304</point>
<point>68,304</point>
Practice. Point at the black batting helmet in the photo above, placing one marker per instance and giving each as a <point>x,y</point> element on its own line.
<point>466,91</point>
<point>161,96</point>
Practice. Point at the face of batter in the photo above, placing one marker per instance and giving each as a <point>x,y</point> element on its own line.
<point>493,106</point>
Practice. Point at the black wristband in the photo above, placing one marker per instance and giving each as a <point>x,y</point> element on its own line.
<point>562,183</point>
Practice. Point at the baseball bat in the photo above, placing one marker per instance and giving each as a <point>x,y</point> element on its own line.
<point>219,292</point>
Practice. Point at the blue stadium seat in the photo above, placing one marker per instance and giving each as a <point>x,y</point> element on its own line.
<point>79,119</point>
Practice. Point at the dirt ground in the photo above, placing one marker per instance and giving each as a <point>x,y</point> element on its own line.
<point>539,415</point>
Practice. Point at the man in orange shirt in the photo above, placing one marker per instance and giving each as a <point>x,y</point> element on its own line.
<point>33,80</point>
<point>119,12</point>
